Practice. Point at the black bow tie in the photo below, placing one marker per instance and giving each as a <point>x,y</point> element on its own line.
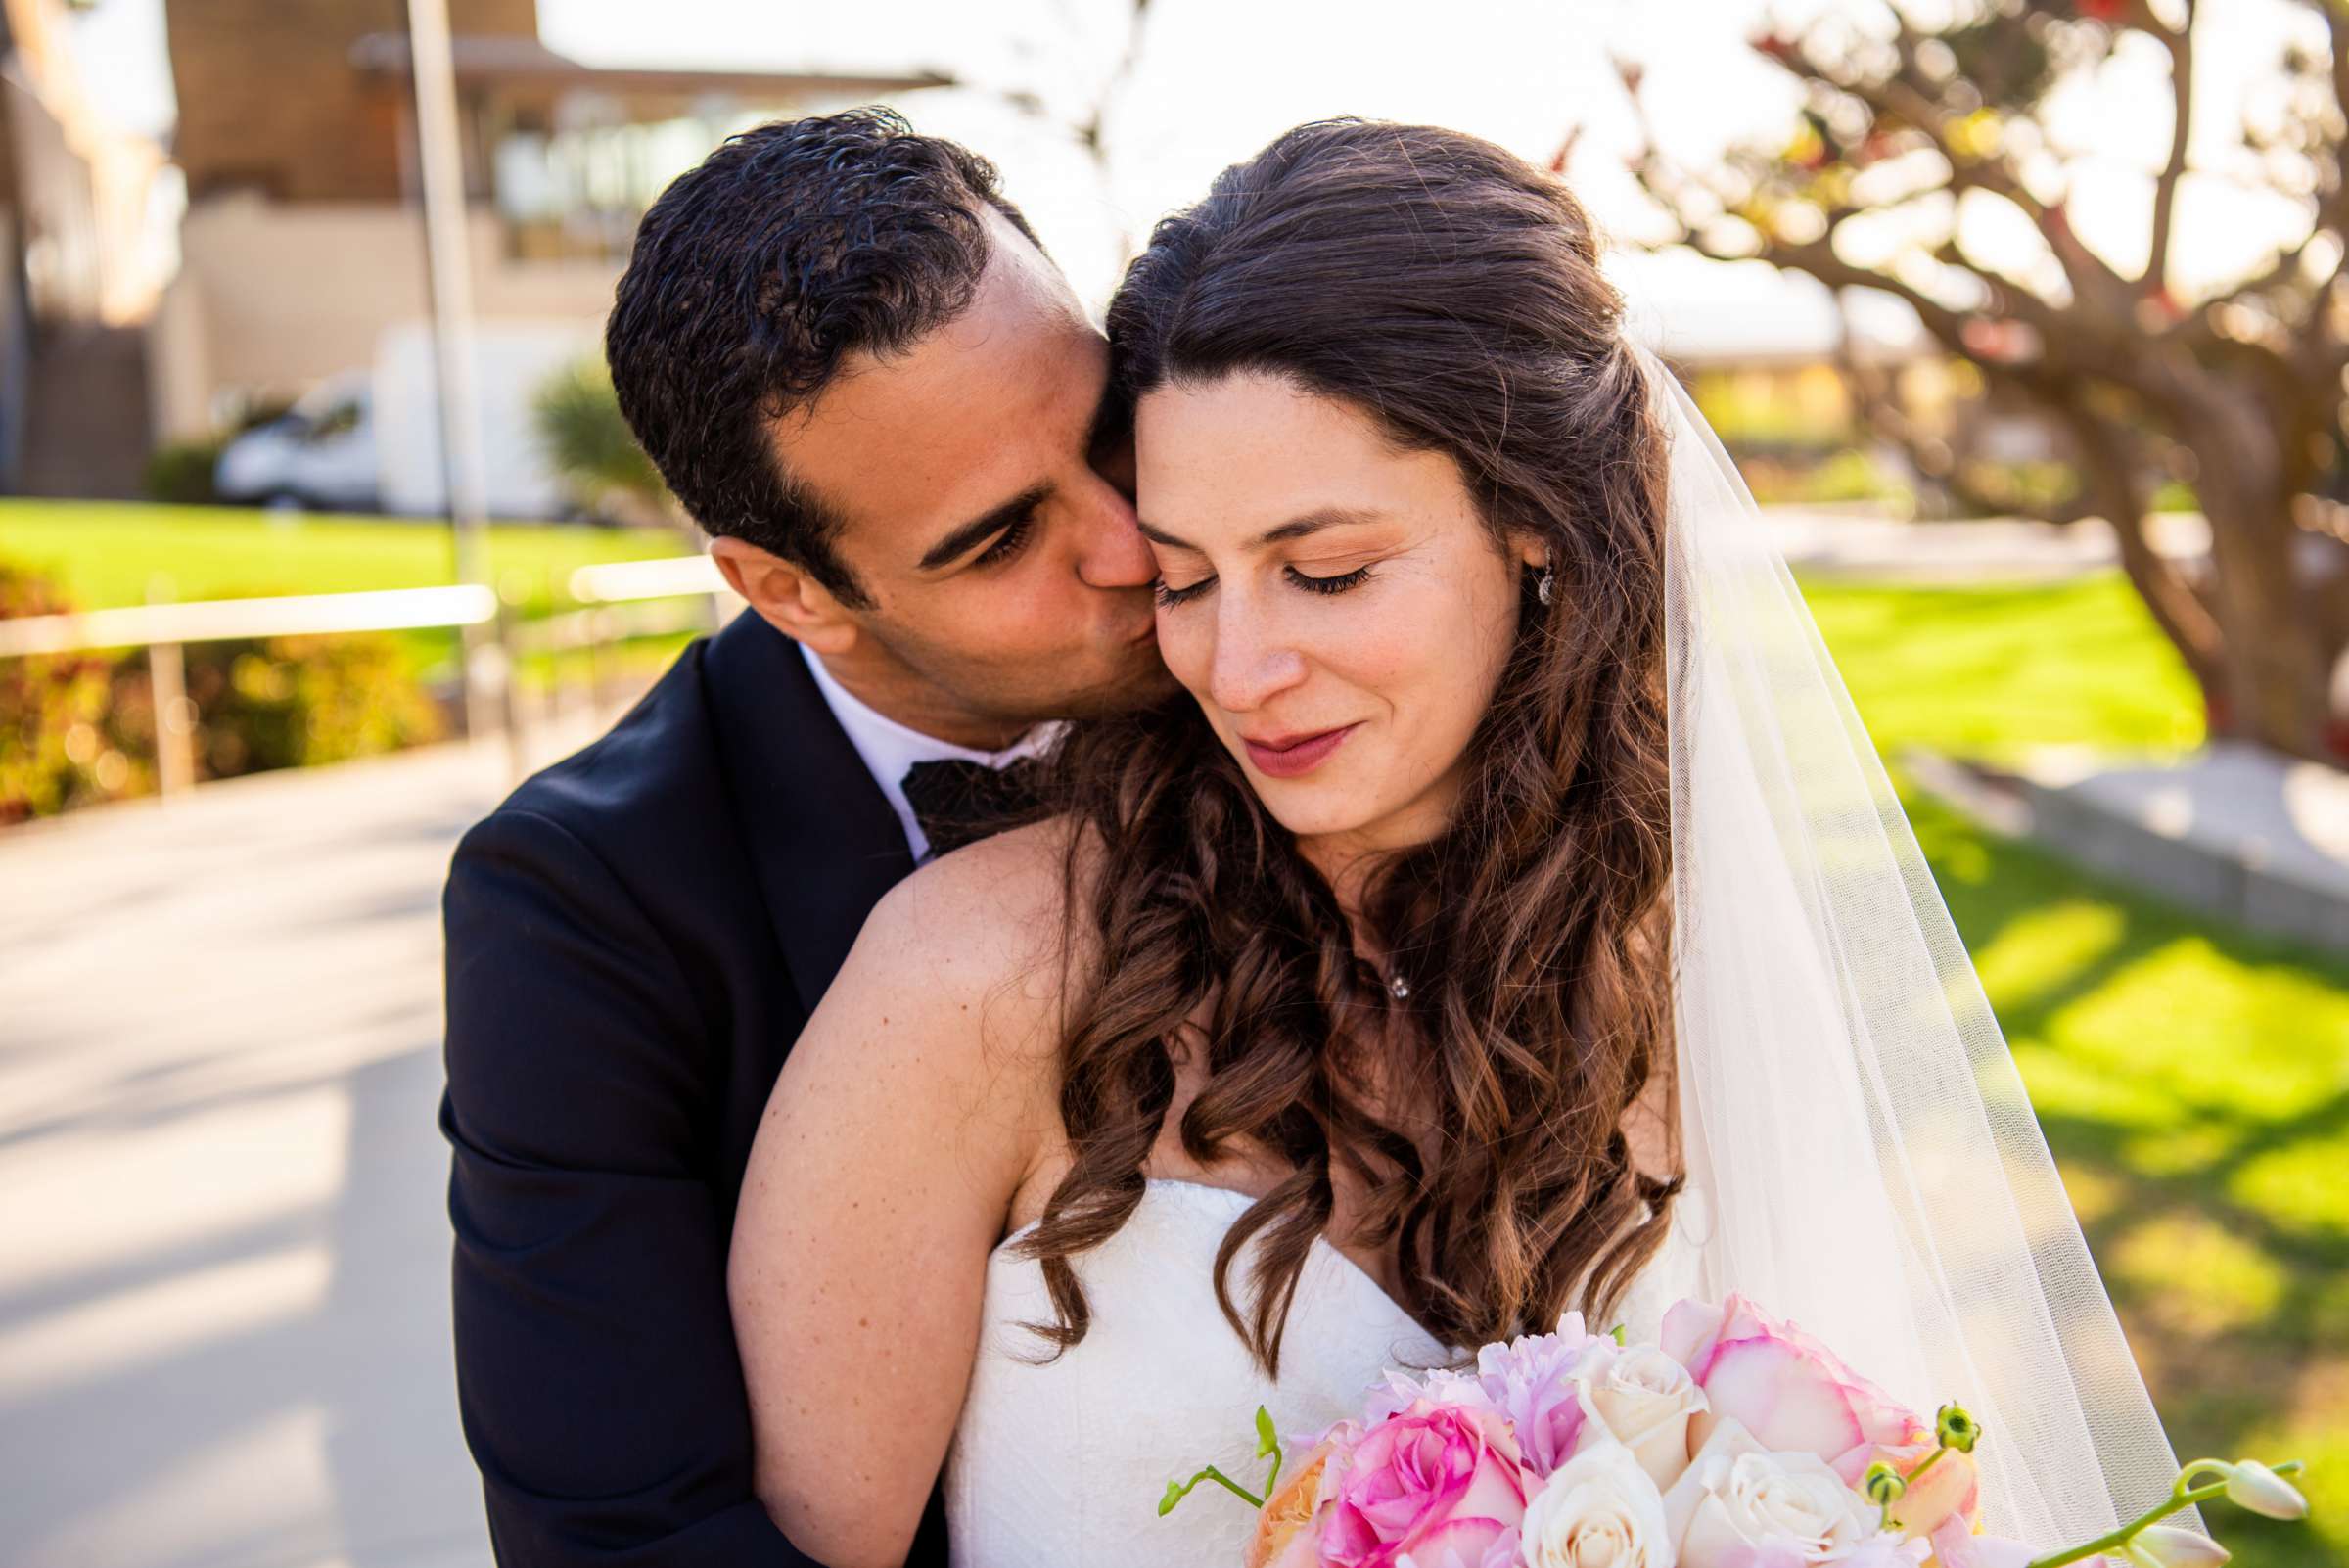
<point>957,801</point>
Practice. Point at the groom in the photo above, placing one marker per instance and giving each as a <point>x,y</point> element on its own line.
<point>861,376</point>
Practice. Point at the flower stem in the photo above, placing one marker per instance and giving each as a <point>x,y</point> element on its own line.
<point>1928,1464</point>
<point>1176,1494</point>
<point>2180,1497</point>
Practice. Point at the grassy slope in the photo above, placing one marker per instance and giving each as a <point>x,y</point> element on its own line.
<point>2192,1079</point>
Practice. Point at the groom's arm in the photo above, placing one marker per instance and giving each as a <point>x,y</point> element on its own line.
<point>596,1367</point>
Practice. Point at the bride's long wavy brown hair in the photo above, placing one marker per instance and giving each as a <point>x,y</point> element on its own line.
<point>1452,292</point>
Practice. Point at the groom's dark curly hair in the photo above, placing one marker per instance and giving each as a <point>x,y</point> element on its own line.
<point>757,274</point>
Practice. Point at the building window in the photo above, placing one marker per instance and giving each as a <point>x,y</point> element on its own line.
<point>573,190</point>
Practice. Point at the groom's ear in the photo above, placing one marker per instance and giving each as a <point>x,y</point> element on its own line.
<point>785,596</point>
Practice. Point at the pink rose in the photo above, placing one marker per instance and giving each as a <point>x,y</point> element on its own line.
<point>1886,1549</point>
<point>1774,1554</point>
<point>1784,1387</point>
<point>1956,1546</point>
<point>1436,1484</point>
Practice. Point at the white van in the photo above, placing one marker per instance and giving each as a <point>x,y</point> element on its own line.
<point>370,440</point>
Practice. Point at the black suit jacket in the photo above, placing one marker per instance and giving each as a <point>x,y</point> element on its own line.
<point>635,939</point>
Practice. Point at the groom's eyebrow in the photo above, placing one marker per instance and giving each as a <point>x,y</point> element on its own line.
<point>984,526</point>
<point>1296,528</point>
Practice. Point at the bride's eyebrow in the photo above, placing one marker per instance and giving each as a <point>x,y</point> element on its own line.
<point>1296,528</point>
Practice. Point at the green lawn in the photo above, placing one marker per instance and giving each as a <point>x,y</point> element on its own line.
<point>2192,1079</point>
<point>104,553</point>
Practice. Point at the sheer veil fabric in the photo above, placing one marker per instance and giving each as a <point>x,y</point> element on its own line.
<point>1862,1158</point>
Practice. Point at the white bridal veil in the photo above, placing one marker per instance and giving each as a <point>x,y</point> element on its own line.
<point>1862,1158</point>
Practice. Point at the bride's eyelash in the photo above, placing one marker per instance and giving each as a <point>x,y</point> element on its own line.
<point>1337,585</point>
<point>1170,597</point>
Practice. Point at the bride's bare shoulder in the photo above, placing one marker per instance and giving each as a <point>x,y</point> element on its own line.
<point>987,929</point>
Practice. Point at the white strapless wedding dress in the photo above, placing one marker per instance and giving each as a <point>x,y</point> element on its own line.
<point>1061,1464</point>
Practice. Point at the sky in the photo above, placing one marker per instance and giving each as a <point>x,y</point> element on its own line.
<point>1214,80</point>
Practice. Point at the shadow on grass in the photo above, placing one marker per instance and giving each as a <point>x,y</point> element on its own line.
<point>2194,1082</point>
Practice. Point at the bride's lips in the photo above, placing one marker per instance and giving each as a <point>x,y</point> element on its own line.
<point>1292,756</point>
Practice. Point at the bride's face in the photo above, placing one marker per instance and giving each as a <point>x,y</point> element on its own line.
<point>1339,608</point>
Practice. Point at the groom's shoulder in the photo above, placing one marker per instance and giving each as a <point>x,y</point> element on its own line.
<point>653,779</point>
<point>640,810</point>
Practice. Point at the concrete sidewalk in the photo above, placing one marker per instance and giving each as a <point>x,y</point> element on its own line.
<point>1857,544</point>
<point>224,1333</point>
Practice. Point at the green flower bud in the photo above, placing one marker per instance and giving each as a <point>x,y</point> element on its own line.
<point>1883,1485</point>
<point>1953,1428</point>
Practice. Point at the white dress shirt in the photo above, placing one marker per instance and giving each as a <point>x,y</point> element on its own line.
<point>890,748</point>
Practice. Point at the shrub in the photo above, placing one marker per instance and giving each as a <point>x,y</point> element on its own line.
<point>590,447</point>
<point>79,728</point>
<point>295,702</point>
<point>74,729</point>
<point>181,473</point>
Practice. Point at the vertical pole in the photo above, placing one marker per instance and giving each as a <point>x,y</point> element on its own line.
<point>168,690</point>
<point>175,717</point>
<point>489,697</point>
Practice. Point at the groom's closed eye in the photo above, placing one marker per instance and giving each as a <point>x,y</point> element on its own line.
<point>1007,527</point>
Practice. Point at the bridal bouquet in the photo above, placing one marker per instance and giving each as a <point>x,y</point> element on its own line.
<point>1737,1441</point>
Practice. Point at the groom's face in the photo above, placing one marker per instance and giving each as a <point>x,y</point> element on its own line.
<point>986,513</point>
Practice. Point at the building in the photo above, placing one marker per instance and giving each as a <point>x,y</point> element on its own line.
<point>303,242</point>
<point>82,261</point>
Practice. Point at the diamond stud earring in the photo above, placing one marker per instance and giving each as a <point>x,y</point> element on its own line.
<point>1546,589</point>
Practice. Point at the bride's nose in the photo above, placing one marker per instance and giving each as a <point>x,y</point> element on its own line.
<point>1253,662</point>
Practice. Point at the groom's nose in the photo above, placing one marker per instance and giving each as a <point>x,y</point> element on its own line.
<point>1111,552</point>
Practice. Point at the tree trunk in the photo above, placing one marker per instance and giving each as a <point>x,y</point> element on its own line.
<point>2109,471</point>
<point>2277,687</point>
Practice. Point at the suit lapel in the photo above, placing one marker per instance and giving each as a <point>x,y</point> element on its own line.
<point>824,842</point>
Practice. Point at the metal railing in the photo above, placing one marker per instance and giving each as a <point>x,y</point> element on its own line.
<point>615,603</point>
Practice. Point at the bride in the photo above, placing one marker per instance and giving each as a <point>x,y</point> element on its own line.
<point>1510,917</point>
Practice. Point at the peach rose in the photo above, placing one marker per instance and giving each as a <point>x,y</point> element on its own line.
<point>1288,1532</point>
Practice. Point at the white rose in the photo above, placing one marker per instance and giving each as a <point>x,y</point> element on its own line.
<point>1736,1499</point>
<point>1646,1400</point>
<point>1600,1510</point>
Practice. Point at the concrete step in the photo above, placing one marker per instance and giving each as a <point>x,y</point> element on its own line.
<point>2233,830</point>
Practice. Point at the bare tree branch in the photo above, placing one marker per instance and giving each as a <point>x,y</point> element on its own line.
<point>2181,45</point>
<point>1908,97</point>
<point>1091,130</point>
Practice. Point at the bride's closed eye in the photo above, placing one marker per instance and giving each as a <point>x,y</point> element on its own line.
<point>1170,596</point>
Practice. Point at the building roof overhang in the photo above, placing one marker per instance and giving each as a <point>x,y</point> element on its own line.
<point>488,61</point>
